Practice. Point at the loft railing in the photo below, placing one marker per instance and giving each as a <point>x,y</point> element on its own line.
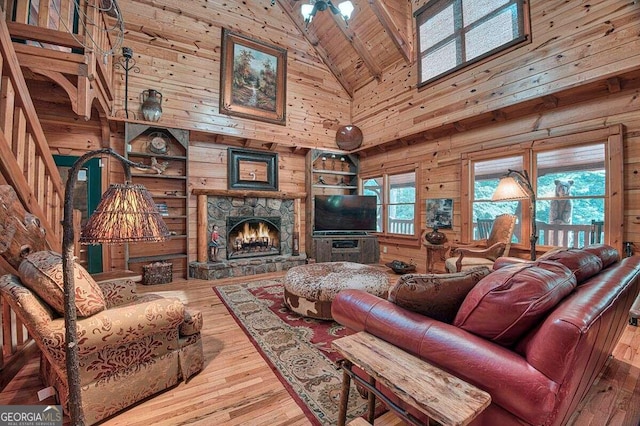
<point>49,41</point>
<point>27,165</point>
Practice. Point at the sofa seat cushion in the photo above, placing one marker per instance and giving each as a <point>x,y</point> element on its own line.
<point>438,296</point>
<point>582,263</point>
<point>510,301</point>
<point>41,272</point>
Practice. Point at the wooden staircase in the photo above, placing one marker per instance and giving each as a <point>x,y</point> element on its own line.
<point>27,165</point>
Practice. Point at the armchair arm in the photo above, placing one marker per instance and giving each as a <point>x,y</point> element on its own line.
<point>491,253</point>
<point>118,326</point>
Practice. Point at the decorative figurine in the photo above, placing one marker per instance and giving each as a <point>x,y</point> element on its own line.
<point>214,244</point>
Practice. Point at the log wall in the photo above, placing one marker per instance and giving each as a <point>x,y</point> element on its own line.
<point>572,44</point>
<point>440,161</point>
<point>177,51</point>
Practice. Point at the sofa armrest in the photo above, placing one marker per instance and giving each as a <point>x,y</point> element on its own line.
<point>118,326</point>
<point>512,382</point>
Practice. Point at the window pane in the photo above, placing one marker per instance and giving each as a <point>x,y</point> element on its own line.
<point>472,10</point>
<point>571,187</point>
<point>439,61</point>
<point>491,34</point>
<point>453,33</point>
<point>402,197</point>
<point>436,28</point>
<point>374,186</point>
<point>485,212</point>
<point>486,178</point>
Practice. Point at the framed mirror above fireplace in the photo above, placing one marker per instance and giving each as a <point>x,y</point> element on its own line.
<point>252,170</point>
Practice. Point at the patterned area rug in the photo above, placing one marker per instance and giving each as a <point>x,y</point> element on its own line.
<point>298,348</point>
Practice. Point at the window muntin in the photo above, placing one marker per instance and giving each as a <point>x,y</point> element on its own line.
<point>396,196</point>
<point>456,33</point>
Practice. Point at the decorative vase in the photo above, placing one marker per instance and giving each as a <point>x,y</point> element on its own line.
<point>435,237</point>
<point>151,105</point>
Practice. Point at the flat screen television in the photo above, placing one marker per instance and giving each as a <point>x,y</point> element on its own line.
<point>345,213</point>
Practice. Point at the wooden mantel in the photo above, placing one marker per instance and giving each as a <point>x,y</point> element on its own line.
<point>251,194</point>
<point>202,210</point>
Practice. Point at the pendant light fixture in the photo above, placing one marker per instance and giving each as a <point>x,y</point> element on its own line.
<point>310,9</point>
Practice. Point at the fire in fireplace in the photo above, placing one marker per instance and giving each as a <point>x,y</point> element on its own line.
<point>253,236</point>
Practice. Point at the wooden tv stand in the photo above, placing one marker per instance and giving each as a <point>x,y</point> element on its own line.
<point>346,247</point>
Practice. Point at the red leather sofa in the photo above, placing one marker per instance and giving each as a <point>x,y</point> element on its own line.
<point>534,335</point>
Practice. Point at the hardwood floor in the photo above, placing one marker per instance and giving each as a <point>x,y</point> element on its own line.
<point>237,387</point>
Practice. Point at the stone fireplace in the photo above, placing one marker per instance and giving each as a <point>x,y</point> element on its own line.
<point>254,234</point>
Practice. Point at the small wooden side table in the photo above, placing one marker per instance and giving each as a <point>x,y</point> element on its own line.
<point>432,251</point>
<point>434,392</point>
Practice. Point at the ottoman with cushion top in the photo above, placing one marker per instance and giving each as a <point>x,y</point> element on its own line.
<point>310,289</point>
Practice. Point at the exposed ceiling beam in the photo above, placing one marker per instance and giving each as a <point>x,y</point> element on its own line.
<point>359,47</point>
<point>400,38</point>
<point>315,42</point>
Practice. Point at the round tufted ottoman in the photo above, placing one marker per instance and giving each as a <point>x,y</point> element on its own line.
<point>310,289</point>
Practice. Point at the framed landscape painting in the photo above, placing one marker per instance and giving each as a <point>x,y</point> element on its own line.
<point>252,79</point>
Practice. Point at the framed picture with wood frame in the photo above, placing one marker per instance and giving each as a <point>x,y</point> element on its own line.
<point>252,79</point>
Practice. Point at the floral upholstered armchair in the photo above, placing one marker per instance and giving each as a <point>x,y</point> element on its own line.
<point>130,346</point>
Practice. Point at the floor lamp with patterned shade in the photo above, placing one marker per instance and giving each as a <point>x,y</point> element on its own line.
<point>515,185</point>
<point>126,213</point>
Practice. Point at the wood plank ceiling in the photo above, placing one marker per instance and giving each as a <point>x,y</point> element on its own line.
<point>378,35</point>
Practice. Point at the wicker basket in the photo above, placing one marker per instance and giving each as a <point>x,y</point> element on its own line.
<point>157,273</point>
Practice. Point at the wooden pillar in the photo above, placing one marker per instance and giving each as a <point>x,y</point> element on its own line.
<point>203,219</point>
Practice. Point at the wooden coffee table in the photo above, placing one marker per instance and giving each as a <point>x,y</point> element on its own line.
<point>434,392</point>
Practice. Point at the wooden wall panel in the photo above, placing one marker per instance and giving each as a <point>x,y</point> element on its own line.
<point>602,43</point>
<point>441,160</point>
<point>178,54</point>
<point>208,170</point>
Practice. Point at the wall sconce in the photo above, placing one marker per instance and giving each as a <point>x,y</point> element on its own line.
<point>126,213</point>
<point>516,185</point>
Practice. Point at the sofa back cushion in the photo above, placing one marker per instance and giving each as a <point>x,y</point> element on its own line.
<point>510,301</point>
<point>582,263</point>
<point>437,296</point>
<point>41,272</point>
<point>606,253</point>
